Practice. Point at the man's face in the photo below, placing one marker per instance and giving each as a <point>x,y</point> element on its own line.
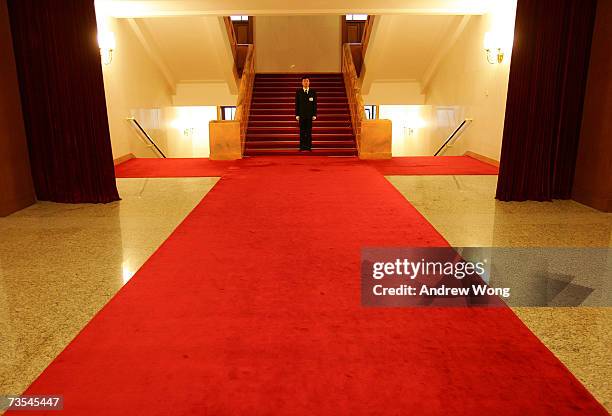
<point>305,83</point>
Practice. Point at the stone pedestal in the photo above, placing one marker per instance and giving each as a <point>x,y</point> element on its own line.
<point>375,140</point>
<point>224,137</point>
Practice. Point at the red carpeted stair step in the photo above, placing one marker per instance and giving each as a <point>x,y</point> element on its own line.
<point>281,102</point>
<point>321,113</point>
<point>296,152</point>
<point>280,108</point>
<point>295,129</point>
<point>290,87</point>
<point>273,130</point>
<point>291,122</point>
<point>290,90</point>
<point>321,100</point>
<point>286,136</point>
<point>293,144</point>
<point>270,115</point>
<point>298,77</point>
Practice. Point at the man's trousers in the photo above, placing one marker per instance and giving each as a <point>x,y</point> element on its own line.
<point>305,133</point>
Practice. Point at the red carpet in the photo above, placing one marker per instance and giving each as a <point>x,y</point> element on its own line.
<point>415,165</point>
<point>252,307</point>
<point>170,168</point>
<point>273,129</point>
<point>434,165</point>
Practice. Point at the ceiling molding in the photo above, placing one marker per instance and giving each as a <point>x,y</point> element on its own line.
<point>378,36</point>
<point>156,8</point>
<point>145,38</point>
<point>449,41</point>
<point>396,81</point>
<point>202,81</point>
<point>223,51</point>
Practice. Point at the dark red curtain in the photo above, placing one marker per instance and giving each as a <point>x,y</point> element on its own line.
<point>62,91</point>
<point>548,71</point>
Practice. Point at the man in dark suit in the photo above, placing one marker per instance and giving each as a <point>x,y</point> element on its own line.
<point>305,112</point>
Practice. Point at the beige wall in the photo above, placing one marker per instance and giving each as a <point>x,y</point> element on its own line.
<point>411,135</point>
<point>297,43</point>
<point>187,130</point>
<point>203,93</point>
<point>395,93</point>
<point>16,188</point>
<point>465,85</point>
<point>134,87</point>
<point>593,178</point>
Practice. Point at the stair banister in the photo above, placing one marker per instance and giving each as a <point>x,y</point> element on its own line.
<point>245,93</point>
<point>227,137</point>
<point>373,137</point>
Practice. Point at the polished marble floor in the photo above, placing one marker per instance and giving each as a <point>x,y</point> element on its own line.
<point>47,293</point>
<point>60,264</point>
<point>464,210</point>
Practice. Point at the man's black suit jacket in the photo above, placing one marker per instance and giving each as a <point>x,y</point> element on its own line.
<point>305,104</point>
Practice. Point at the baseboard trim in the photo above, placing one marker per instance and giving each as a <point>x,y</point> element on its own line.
<point>123,158</point>
<point>482,158</point>
<point>376,155</point>
<point>226,156</point>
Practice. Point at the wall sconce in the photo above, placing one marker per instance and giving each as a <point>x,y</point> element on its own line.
<point>495,54</point>
<point>107,44</point>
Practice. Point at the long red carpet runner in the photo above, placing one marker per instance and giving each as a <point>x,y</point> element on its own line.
<point>273,130</point>
<point>252,307</point>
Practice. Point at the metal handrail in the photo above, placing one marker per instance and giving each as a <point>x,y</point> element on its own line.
<point>133,120</point>
<point>453,134</point>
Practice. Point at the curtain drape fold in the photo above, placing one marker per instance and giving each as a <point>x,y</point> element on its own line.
<point>546,87</point>
<point>64,106</point>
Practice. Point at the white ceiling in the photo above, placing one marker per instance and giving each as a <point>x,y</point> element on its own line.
<point>148,8</point>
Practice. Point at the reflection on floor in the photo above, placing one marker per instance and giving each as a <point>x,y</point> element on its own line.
<point>47,293</point>
<point>464,210</point>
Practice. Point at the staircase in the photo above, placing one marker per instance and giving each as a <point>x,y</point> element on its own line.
<point>273,129</point>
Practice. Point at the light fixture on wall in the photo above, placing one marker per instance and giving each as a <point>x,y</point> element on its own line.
<point>107,44</point>
<point>493,49</point>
